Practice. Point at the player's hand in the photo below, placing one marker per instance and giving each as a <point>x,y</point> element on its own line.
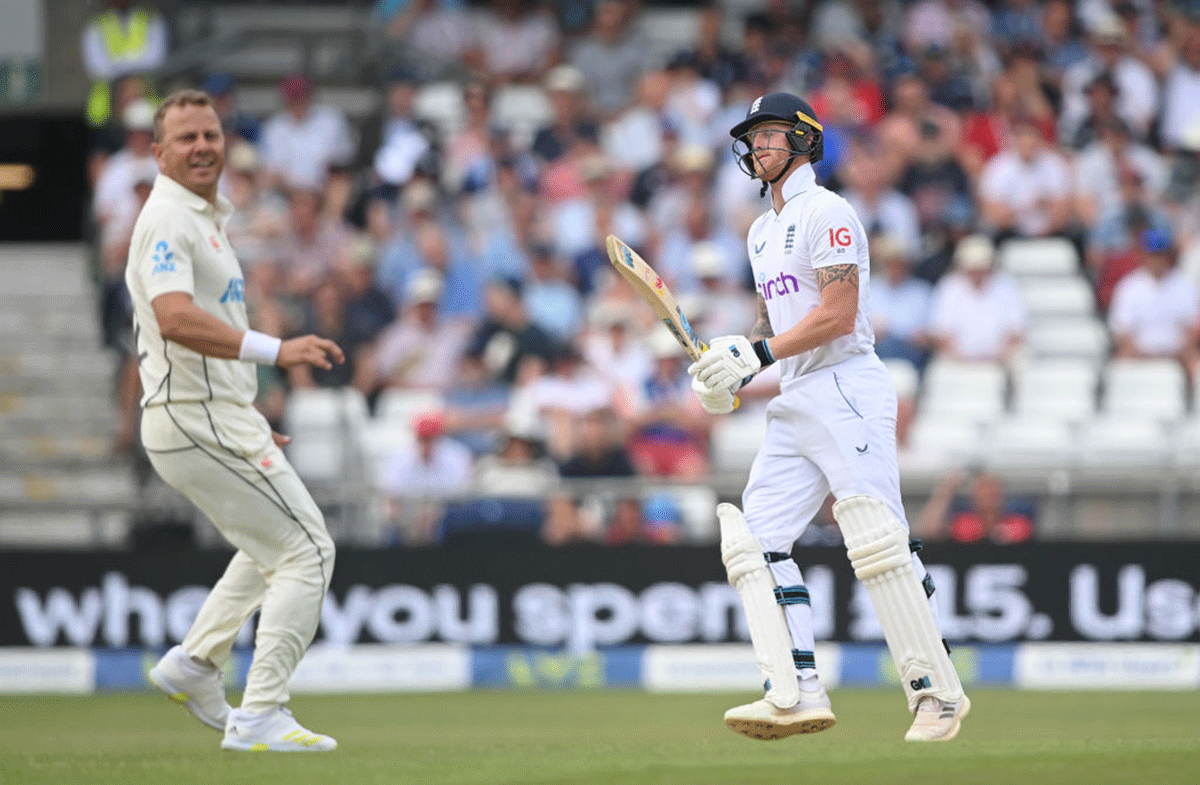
<point>279,439</point>
<point>310,350</point>
<point>714,400</point>
<point>729,361</point>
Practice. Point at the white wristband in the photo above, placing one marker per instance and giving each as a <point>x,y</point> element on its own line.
<point>259,348</point>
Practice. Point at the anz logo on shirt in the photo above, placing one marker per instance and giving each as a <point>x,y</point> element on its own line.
<point>235,292</point>
<point>162,259</point>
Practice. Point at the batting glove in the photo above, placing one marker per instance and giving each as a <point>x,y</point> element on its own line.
<point>717,400</point>
<point>730,362</point>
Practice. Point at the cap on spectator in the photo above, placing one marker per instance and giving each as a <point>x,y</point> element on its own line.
<point>138,116</point>
<point>1108,28</point>
<point>523,423</point>
<point>974,252</point>
<point>296,87</point>
<point>609,314</point>
<point>662,344</point>
<point>691,158</point>
<point>886,248</point>
<point>218,85</point>
<point>564,79</point>
<point>429,425</point>
<point>418,197</point>
<point>361,251</point>
<point>243,158</point>
<point>425,287</point>
<point>708,261</point>
<point>1154,240</point>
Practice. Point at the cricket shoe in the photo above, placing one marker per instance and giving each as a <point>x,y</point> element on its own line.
<point>764,720</point>
<point>274,731</point>
<point>199,689</point>
<point>938,720</point>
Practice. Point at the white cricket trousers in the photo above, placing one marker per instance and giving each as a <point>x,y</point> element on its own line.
<point>830,430</point>
<point>221,456</point>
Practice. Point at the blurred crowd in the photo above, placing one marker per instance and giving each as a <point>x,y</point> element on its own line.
<point>453,244</point>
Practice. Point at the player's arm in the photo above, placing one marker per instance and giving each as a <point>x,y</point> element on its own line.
<point>762,323</point>
<point>182,321</point>
<point>833,318</point>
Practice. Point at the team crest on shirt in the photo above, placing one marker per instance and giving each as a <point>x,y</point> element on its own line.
<point>790,239</point>
<point>162,258</point>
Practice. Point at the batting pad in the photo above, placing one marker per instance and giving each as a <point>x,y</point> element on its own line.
<point>748,573</point>
<point>877,544</point>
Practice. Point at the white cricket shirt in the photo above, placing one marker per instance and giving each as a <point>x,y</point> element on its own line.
<point>816,228</point>
<point>179,245</point>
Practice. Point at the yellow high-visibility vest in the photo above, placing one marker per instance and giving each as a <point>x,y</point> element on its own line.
<point>119,40</point>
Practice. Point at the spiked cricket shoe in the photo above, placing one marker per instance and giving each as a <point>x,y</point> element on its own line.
<point>764,720</point>
<point>198,689</point>
<point>275,731</point>
<point>938,720</point>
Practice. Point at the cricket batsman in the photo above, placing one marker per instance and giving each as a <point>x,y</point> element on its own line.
<point>832,428</point>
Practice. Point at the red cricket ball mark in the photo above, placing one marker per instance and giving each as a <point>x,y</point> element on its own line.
<point>212,239</point>
<point>267,463</point>
<point>658,284</point>
<point>838,237</point>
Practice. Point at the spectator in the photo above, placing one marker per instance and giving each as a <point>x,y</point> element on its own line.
<point>106,139</point>
<point>311,246</point>
<point>691,99</point>
<point>900,305</point>
<point>717,62</point>
<point>1099,165</point>
<point>403,146</point>
<point>1025,190</point>
<point>114,200</point>
<point>675,259</point>
<point>126,39</point>
<point>728,307</point>
<point>430,37</point>
<point>988,132</point>
<point>947,83</point>
<point>915,120</point>
<point>1114,244</point>
<point>1181,93</point>
<point>634,139</point>
<point>517,41</point>
<point>612,56</point>
<point>598,450</point>
<point>421,350</point>
<point>1017,22</point>
<point>612,347</point>
<point>669,432</point>
<point>236,124</point>
<point>260,221</point>
<point>553,302</point>
<point>933,22</point>
<point>419,478</point>
<point>564,85</point>
<point>326,313</point>
<point>684,178</point>
<point>977,313</point>
<point>1137,88</point>
<point>880,207</point>
<point>368,309</point>
<point>1061,45</point>
<point>581,223</point>
<point>941,238</point>
<point>302,142</point>
<point>1156,308</point>
<point>507,338</point>
<point>986,515</point>
<point>569,389</point>
<point>1101,94</point>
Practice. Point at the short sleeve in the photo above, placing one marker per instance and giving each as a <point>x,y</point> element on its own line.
<point>162,257</point>
<point>834,235</point>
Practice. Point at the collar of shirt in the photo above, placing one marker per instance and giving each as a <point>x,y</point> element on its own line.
<point>171,189</point>
<point>801,180</point>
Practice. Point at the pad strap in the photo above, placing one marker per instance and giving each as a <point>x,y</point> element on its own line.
<point>792,595</point>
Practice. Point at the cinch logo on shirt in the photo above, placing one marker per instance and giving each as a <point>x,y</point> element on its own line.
<point>162,259</point>
<point>235,291</point>
<point>780,285</point>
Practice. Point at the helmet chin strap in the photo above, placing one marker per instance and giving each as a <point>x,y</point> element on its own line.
<point>786,167</point>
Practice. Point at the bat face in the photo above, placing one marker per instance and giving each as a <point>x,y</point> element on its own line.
<point>650,285</point>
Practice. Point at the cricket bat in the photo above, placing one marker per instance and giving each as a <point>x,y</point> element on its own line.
<point>650,285</point>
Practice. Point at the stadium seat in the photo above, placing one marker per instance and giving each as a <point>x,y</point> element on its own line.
<point>380,440</point>
<point>1044,256</point>
<point>1036,441</point>
<point>935,439</point>
<point>1185,443</point>
<point>1055,295</point>
<point>905,377</point>
<point>1121,441</point>
<point>1058,388</point>
<point>442,105</point>
<point>400,406</point>
<point>1154,389</point>
<point>1084,337</point>
<point>324,425</point>
<point>970,391</point>
<point>521,110</point>
<point>735,439</point>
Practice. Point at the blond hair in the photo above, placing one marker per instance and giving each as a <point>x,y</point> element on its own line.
<point>186,97</point>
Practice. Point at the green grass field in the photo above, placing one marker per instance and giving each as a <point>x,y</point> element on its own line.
<point>611,737</point>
